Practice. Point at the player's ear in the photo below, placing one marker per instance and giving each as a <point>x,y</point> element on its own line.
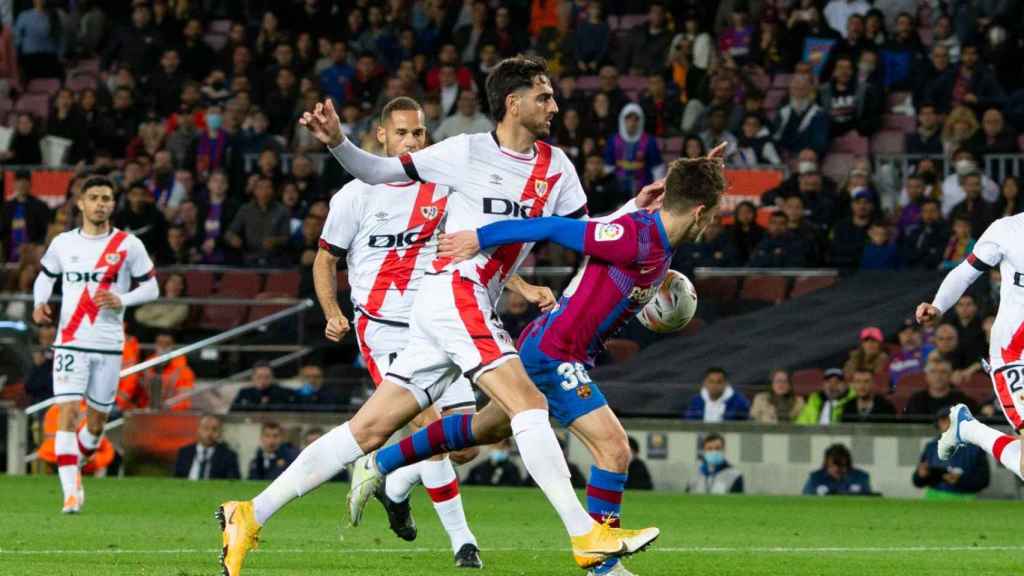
<point>382,135</point>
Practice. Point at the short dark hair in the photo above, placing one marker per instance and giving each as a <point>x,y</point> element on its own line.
<point>780,214</point>
<point>98,182</point>
<point>711,438</point>
<point>839,454</point>
<point>399,104</point>
<point>715,370</point>
<point>511,75</point>
<point>270,425</point>
<point>261,364</point>
<point>633,444</point>
<point>930,201</point>
<point>693,181</point>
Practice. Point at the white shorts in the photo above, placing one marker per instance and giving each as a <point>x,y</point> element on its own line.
<point>454,331</point>
<point>380,343</point>
<point>1008,382</point>
<point>92,375</point>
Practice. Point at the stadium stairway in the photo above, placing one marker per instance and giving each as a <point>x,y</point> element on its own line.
<point>801,332</point>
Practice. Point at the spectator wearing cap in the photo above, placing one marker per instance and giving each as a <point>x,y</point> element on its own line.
<point>778,404</point>
<point>939,393</point>
<point>23,218</point>
<point>975,209</point>
<point>912,355</point>
<point>717,400</point>
<point>780,248</point>
<point>953,192</point>
<point>927,138</point>
<point>466,120</point>
<point>869,354</point>
<point>632,153</point>
<point>801,123</point>
<point>880,252</point>
<point>960,245</point>
<point>264,394</point>
<point>867,405</point>
<point>850,234</point>
<point>826,405</point>
<point>925,243</point>
<point>959,477</point>
<point>715,475</point>
<point>837,476</point>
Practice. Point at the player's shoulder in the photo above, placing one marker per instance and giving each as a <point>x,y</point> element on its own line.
<point>130,239</point>
<point>1006,227</point>
<point>349,193</point>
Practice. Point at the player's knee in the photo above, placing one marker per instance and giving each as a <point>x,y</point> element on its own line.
<point>95,428</point>
<point>370,435</point>
<point>464,456</point>
<point>615,455</point>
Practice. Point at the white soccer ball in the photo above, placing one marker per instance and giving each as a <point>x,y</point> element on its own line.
<point>672,307</point>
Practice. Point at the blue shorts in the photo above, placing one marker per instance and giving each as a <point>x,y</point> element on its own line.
<point>566,384</point>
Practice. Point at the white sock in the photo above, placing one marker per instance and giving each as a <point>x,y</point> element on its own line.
<point>65,446</point>
<point>443,487</point>
<point>545,462</point>
<point>1002,447</point>
<point>399,484</point>
<point>318,463</point>
<point>87,439</point>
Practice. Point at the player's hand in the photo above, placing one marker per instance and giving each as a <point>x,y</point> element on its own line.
<point>541,296</point>
<point>951,478</point>
<point>926,313</point>
<point>459,246</point>
<point>323,122</point>
<point>650,197</point>
<point>922,470</point>
<point>107,300</point>
<point>718,152</point>
<point>336,329</point>
<point>42,315</point>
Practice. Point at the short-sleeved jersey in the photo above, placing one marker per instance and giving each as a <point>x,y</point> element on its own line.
<point>626,261</point>
<point>388,231</point>
<point>86,264</point>
<point>1002,245</point>
<point>490,184</point>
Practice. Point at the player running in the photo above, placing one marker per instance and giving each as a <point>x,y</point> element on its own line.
<point>1001,246</point>
<point>97,264</point>
<point>454,329</point>
<point>385,233</point>
<point>626,261</point>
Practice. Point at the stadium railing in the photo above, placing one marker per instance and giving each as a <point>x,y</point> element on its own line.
<point>17,420</point>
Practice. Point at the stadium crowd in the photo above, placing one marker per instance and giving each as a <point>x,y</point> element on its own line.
<point>192,106</point>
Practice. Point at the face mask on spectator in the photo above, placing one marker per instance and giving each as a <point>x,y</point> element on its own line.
<point>498,456</point>
<point>714,458</point>
<point>964,166</point>
<point>866,67</point>
<point>806,167</point>
<point>214,121</point>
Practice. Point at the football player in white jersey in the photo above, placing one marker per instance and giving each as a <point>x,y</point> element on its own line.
<point>454,331</point>
<point>1001,246</point>
<point>385,233</point>
<point>97,265</point>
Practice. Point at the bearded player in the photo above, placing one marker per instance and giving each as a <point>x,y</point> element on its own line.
<point>97,264</point>
<point>385,233</point>
<point>454,331</point>
<point>625,262</point>
<point>1001,246</point>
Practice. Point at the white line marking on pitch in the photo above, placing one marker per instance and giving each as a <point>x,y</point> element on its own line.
<point>667,550</point>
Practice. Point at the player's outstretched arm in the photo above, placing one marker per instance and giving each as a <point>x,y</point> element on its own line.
<point>465,244</point>
<point>325,125</point>
<point>541,296</point>
<point>952,288</point>
<point>325,281</point>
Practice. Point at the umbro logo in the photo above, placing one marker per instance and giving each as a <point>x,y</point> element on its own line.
<point>496,179</point>
<point>74,259</point>
<point>381,216</point>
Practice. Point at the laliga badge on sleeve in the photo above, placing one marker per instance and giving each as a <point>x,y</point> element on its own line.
<point>657,446</point>
<point>608,232</point>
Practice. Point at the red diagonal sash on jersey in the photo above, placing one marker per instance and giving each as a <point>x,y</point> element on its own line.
<point>396,270</point>
<point>110,259</point>
<point>1015,349</point>
<point>538,189</point>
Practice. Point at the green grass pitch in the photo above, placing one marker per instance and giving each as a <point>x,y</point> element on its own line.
<point>166,527</point>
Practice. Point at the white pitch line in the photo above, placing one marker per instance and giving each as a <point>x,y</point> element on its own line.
<point>664,550</point>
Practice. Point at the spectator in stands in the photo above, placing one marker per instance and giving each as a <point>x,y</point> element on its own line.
<point>162,314</point>
<point>1009,202</point>
<point>20,282</point>
<point>826,405</point>
<point>39,380</point>
<point>39,38</point>
<point>263,395</point>
<point>140,217</point>
<point>633,153</point>
<point>687,78</point>
<point>995,137</point>
<point>603,192</point>
<point>849,104</point>
<point>912,355</point>
<point>779,403</point>
<point>717,401</point>
<point>66,121</point>
<point>801,122</point>
<point>572,139</point>
<point>925,244</point>
<point>120,123</point>
<point>850,235</point>
<point>945,37</point>
<point>969,84</point>
<point>799,226</point>
<point>869,355</point>
<point>961,476</point>
<point>335,80</point>
<point>662,111</point>
<point>167,83</point>
<point>716,131</point>
<point>780,248</point>
<point>715,475</point>
<point>466,120</point>
<point>910,213</point>
<point>211,148</point>
<point>965,317</point>
<point>947,347</point>
<point>497,470</point>
<point>939,394</point>
<point>511,39</point>
<point>23,218</point>
<point>171,379</point>
<point>754,147</point>
<point>600,121</point>
<point>975,209</point>
<point>281,100</point>
<point>837,476</point>
<point>647,43</point>
<point>638,476</point>
<point>24,147</point>
<point>273,455</point>
<point>736,40</point>
<point>714,249</point>
<point>175,251</point>
<point>215,216</point>
<point>745,232</point>
<point>208,458</point>
<point>449,56</point>
<point>960,245</point>
<point>866,405</point>
<point>723,96</point>
<point>311,395</point>
<point>591,41</point>
<point>927,138</point>
<point>857,179</point>
<point>880,253</point>
<point>260,228</point>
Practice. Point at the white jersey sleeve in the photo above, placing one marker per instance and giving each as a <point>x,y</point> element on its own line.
<point>990,249</point>
<point>50,261</point>
<point>572,200</point>
<point>343,219</point>
<point>443,163</point>
<point>140,266</point>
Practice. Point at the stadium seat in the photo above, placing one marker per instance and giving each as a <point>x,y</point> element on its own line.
<point>837,166</point>
<point>220,27</point>
<point>979,388</point>
<point>48,86</point>
<point>782,81</point>
<point>906,386</point>
<point>587,83</point>
<point>771,289</point>
<point>37,105</point>
<point>258,311</point>
<point>803,286</point>
<point>633,83</point>
<point>629,21</point>
<point>219,317</point>
<point>717,289</point>
<point>286,283</point>
<point>80,82</point>
<point>672,146</point>
<point>807,381</point>
<point>850,143</point>
<point>239,284</point>
<point>899,122</point>
<point>198,283</point>
<point>888,142</point>
<point>92,65</point>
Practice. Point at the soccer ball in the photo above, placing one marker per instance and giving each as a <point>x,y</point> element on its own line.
<point>672,307</point>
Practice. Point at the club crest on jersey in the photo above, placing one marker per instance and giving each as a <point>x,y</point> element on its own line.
<point>112,259</point>
<point>429,212</point>
<point>608,232</point>
<point>540,187</point>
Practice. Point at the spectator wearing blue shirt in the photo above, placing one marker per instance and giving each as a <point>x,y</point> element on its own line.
<point>879,252</point>
<point>39,40</point>
<point>717,400</point>
<point>632,154</point>
<point>335,80</point>
<point>961,477</point>
<point>273,455</point>
<point>837,476</point>
<point>802,123</point>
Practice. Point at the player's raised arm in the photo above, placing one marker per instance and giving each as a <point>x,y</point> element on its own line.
<point>988,253</point>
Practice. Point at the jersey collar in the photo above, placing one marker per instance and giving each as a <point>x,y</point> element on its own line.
<point>512,154</point>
